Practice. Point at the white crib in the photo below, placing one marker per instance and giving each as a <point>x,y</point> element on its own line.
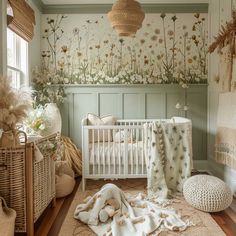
<point>117,151</point>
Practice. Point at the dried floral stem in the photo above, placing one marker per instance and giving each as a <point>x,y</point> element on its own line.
<point>54,27</point>
<point>185,37</point>
<point>14,105</point>
<point>225,36</point>
<point>173,51</point>
<point>165,45</point>
<point>5,126</point>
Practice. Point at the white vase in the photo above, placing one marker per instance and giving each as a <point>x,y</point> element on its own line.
<point>53,113</point>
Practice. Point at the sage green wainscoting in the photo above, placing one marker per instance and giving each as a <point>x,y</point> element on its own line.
<point>137,102</point>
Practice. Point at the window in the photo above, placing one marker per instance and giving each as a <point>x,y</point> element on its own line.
<point>17,59</point>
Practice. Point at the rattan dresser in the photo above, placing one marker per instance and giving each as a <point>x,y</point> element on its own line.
<point>27,185</point>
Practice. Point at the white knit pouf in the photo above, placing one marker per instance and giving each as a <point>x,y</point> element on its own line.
<point>207,193</point>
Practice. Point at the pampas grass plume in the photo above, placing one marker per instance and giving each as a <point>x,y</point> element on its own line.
<point>14,105</point>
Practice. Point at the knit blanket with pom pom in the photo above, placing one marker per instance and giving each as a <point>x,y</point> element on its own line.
<point>136,215</point>
<point>168,156</point>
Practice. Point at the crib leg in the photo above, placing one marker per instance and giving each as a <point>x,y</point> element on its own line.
<point>83,184</point>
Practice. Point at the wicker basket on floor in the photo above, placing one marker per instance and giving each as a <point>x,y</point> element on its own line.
<point>27,185</point>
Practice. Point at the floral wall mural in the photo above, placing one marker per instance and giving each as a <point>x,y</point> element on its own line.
<point>83,49</point>
<point>233,4</point>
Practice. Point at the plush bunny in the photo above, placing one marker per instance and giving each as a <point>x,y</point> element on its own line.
<point>114,203</point>
<point>109,210</point>
<point>102,205</point>
<point>106,213</point>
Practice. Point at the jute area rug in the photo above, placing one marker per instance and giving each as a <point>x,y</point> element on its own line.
<point>204,223</point>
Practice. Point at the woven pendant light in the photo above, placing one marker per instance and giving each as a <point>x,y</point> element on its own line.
<point>126,17</point>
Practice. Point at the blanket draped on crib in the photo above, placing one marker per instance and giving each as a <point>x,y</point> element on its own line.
<point>225,147</point>
<point>169,157</point>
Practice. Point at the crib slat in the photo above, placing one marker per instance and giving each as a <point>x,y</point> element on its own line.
<point>98,157</point>
<point>142,151</point>
<point>93,152</point>
<point>126,152</point>
<point>132,160</point>
<point>109,151</point>
<point>103,151</point>
<point>137,162</point>
<point>119,151</point>
<point>113,153</point>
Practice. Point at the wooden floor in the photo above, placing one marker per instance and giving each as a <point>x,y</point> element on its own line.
<point>50,222</point>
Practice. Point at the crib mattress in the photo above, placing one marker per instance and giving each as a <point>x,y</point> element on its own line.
<point>113,153</point>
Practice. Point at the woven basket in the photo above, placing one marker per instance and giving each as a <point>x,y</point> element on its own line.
<point>7,219</point>
<point>13,180</point>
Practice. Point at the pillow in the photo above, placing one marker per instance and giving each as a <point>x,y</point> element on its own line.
<point>103,120</point>
<point>96,121</point>
<point>119,137</point>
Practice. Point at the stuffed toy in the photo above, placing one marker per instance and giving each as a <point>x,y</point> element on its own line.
<point>102,206</point>
<point>64,185</point>
<point>65,181</point>
<point>109,210</point>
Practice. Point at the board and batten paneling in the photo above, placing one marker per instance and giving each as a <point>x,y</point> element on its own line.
<point>136,102</point>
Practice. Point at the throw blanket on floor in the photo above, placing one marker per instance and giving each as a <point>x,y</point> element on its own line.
<point>134,216</point>
<point>225,148</point>
<point>169,156</point>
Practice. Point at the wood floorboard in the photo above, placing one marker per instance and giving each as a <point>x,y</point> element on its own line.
<point>51,221</point>
<point>54,230</point>
<point>225,222</point>
<point>231,214</point>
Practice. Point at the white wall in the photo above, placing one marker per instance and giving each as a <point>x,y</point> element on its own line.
<point>3,51</point>
<point>219,13</point>
<point>34,48</point>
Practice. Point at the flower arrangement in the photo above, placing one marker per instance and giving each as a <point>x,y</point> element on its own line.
<point>37,122</point>
<point>14,105</point>
<point>48,87</point>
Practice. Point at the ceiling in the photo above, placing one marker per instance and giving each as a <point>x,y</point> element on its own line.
<point>86,1</point>
<point>58,2</point>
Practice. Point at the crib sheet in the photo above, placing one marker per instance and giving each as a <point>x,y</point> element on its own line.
<point>106,153</point>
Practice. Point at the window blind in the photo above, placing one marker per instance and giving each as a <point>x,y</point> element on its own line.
<point>21,19</point>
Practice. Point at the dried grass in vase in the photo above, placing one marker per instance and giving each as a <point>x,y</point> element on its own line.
<point>14,106</point>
